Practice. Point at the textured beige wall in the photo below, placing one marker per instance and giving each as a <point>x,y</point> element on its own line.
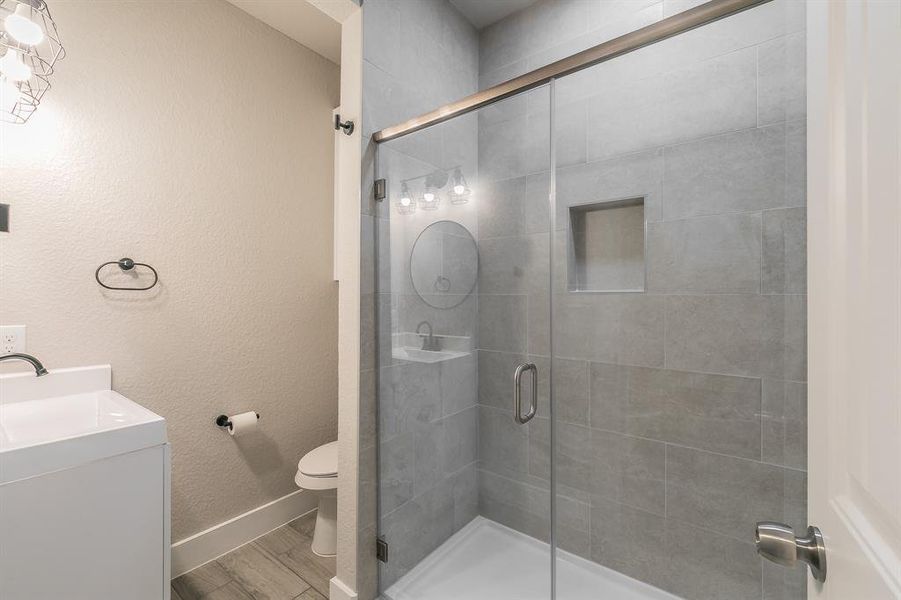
<point>193,137</point>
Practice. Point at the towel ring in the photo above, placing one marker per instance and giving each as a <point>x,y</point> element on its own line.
<point>126,264</point>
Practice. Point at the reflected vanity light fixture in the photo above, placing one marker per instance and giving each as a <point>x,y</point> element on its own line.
<point>29,48</point>
<point>430,199</point>
<point>460,191</point>
<point>405,204</point>
<point>433,184</point>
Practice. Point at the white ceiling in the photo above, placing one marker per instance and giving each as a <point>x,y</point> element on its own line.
<point>482,13</point>
<point>300,21</point>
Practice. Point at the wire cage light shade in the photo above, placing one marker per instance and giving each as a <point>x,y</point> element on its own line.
<point>29,49</point>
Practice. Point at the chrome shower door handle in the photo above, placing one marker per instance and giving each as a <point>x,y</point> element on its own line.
<point>521,368</point>
<point>777,542</point>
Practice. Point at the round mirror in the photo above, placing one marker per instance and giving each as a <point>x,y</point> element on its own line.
<point>444,264</point>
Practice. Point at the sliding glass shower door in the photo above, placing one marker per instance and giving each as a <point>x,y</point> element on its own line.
<point>464,369</point>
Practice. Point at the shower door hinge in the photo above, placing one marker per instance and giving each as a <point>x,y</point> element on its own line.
<point>381,550</point>
<point>381,189</point>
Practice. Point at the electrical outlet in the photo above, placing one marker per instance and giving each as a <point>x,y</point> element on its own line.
<point>12,339</point>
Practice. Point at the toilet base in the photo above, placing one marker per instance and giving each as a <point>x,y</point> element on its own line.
<point>325,535</point>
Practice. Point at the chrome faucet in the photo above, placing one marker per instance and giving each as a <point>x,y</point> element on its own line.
<point>39,369</point>
<point>429,341</point>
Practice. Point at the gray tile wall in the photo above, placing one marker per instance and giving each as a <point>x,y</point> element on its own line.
<point>681,410</point>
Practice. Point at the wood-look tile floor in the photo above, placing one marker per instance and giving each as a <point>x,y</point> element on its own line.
<point>278,566</point>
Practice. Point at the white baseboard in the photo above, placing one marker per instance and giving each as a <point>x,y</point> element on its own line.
<point>220,539</point>
<point>338,590</point>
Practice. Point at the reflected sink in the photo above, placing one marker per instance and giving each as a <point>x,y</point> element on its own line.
<point>68,417</point>
<point>425,356</point>
<point>408,346</point>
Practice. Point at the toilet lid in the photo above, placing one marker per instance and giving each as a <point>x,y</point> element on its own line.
<point>320,462</point>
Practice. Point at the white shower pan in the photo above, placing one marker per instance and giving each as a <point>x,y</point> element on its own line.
<point>488,561</point>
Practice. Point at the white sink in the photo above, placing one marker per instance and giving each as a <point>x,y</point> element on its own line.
<point>408,346</point>
<point>66,418</point>
<point>425,356</point>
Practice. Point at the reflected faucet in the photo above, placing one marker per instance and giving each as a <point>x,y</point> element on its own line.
<point>429,341</point>
<point>39,369</point>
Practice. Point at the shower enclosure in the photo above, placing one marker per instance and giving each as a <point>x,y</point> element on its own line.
<point>588,316</point>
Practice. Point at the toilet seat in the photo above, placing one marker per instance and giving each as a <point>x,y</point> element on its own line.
<point>318,469</point>
<point>321,461</point>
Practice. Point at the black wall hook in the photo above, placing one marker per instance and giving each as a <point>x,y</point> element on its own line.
<point>347,126</point>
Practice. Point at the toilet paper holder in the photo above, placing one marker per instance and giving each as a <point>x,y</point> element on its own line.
<point>226,423</point>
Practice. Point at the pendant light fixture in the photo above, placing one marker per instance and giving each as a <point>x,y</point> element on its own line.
<point>459,190</point>
<point>405,204</point>
<point>429,199</point>
<point>29,48</point>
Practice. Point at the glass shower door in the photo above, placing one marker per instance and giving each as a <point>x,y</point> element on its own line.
<point>464,282</point>
<point>679,316</point>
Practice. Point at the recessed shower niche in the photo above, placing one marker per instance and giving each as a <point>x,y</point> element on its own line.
<point>607,246</point>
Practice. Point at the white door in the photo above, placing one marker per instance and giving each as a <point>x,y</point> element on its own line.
<point>854,233</point>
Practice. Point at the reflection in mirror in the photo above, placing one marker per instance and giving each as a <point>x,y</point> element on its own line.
<point>444,264</point>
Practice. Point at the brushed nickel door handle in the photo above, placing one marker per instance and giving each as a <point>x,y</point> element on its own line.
<point>777,542</point>
<point>521,368</point>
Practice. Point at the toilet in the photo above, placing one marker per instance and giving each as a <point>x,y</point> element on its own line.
<point>318,471</point>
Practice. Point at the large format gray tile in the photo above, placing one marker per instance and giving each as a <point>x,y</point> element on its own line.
<point>573,526</point>
<point>501,207</point>
<point>496,377</point>
<point>720,493</point>
<point>516,504</point>
<point>261,574</point>
<point>514,148</point>
<point>616,328</point>
<point>627,470</point>
<point>703,99</point>
<point>781,583</point>
<point>570,389</point>
<point>628,540</point>
<point>461,440</point>
<point>629,117</point>
<point>573,453</point>
<point>417,528</point>
<point>702,565</point>
<point>465,484</point>
<point>737,335</point>
<point>735,172</point>
<point>502,322</point>
<point>429,456</point>
<point>409,394</point>
<point>795,501</point>
<point>634,176</point>
<point>785,251</point>
<point>514,265</point>
<point>718,254</point>
<point>796,163</point>
<point>782,79</point>
<point>711,97</point>
<point>396,471</point>
<point>503,443</point>
<point>784,423</point>
<point>712,412</point>
<point>459,384</point>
